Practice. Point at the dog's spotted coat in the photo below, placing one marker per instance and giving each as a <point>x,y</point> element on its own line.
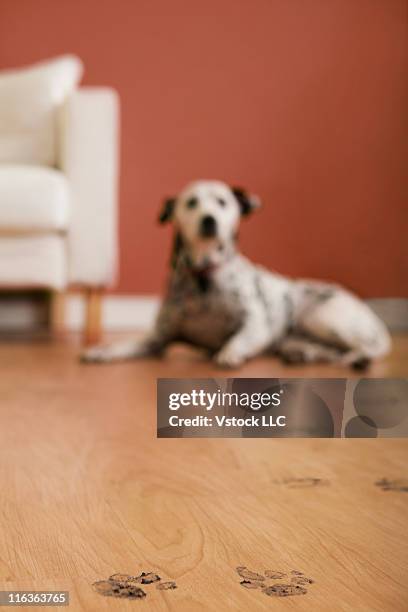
<point>218,300</point>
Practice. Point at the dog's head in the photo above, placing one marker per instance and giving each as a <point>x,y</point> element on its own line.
<point>206,215</point>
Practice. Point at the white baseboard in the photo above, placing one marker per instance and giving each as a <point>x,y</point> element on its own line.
<point>393,311</point>
<point>119,312</point>
<point>135,312</point>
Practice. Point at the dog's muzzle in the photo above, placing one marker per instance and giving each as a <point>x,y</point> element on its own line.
<point>208,227</point>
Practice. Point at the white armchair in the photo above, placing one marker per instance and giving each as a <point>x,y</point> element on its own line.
<point>58,185</point>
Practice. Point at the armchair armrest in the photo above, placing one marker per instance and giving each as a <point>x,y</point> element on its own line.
<point>89,134</point>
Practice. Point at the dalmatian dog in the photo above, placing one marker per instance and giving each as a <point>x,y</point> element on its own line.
<point>219,300</point>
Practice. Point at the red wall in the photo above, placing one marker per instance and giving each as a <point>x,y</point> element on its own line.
<point>303,101</point>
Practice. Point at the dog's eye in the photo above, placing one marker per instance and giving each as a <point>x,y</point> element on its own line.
<point>221,201</point>
<point>192,202</point>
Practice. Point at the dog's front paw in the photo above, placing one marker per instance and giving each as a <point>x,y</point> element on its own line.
<point>96,354</point>
<point>228,358</point>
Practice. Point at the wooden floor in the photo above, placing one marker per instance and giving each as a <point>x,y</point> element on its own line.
<point>87,491</point>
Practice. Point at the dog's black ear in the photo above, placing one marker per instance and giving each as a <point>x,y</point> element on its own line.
<point>247,202</point>
<point>167,210</point>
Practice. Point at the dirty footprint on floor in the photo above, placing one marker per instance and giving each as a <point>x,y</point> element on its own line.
<point>400,485</point>
<point>166,586</point>
<point>284,590</point>
<point>255,580</point>
<point>274,575</point>
<point>251,580</point>
<point>116,589</point>
<point>245,573</point>
<point>301,580</point>
<point>127,586</point>
<point>148,578</point>
<point>252,584</point>
<point>303,483</point>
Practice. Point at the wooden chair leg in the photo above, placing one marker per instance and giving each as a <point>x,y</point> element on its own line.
<point>93,316</point>
<point>57,313</point>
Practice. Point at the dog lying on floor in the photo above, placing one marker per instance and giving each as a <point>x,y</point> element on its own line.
<point>218,300</point>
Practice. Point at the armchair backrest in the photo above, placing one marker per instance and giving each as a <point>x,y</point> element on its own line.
<point>29,101</point>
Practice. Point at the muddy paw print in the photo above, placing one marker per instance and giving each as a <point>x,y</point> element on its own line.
<point>400,485</point>
<point>116,589</point>
<point>257,581</point>
<point>128,586</point>
<point>166,586</point>
<point>304,483</point>
<point>284,590</point>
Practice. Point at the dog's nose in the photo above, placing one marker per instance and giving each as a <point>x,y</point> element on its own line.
<point>208,226</point>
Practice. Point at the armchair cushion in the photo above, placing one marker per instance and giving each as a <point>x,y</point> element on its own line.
<point>32,198</point>
<point>29,101</point>
<point>33,261</point>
